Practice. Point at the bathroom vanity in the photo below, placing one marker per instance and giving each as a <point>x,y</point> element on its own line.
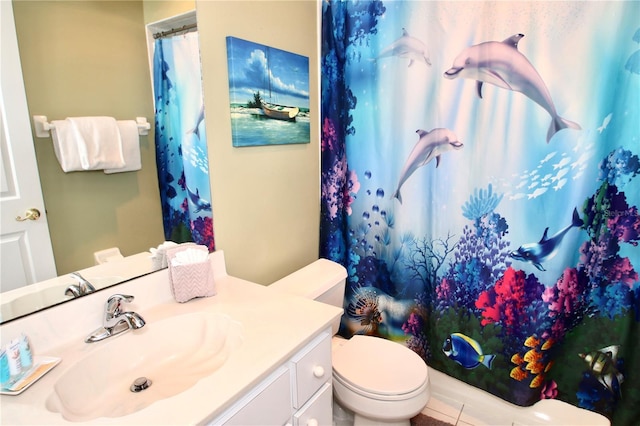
<point>301,386</point>
<point>273,362</point>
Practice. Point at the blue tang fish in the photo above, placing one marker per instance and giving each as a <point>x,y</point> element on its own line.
<point>465,351</point>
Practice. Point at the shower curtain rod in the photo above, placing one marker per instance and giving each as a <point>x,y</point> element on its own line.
<point>175,30</point>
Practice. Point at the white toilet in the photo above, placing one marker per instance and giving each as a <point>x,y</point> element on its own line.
<point>379,381</point>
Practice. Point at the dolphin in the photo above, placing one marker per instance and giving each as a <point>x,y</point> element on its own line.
<point>536,253</point>
<point>200,203</point>
<point>501,64</point>
<point>430,145</point>
<point>406,47</point>
<point>199,120</point>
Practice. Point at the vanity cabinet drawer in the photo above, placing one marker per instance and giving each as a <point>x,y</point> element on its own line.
<point>311,368</point>
<point>298,392</point>
<point>318,410</point>
<point>268,404</point>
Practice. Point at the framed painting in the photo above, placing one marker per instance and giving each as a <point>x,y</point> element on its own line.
<point>268,93</point>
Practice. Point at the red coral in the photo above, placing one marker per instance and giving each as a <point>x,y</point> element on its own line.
<point>506,301</point>
<point>487,303</point>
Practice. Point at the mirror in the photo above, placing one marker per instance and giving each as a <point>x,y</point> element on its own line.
<point>91,59</point>
<point>28,299</point>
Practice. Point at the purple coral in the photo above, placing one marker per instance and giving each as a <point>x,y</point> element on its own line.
<point>566,301</point>
<point>549,390</point>
<point>625,225</point>
<point>339,184</point>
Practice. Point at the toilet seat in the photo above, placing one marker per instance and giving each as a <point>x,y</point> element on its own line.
<point>398,372</point>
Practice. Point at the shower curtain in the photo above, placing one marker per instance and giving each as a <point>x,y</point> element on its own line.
<point>181,141</point>
<point>480,183</point>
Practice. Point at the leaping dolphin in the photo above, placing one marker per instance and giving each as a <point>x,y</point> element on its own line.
<point>406,47</point>
<point>199,120</point>
<point>430,145</point>
<point>501,64</point>
<point>200,203</point>
<point>546,248</point>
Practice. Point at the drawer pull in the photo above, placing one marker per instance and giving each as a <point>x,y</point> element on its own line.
<point>312,422</point>
<point>318,371</point>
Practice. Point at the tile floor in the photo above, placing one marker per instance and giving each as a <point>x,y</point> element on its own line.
<point>460,404</point>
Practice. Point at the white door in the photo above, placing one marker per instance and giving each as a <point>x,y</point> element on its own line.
<point>25,246</point>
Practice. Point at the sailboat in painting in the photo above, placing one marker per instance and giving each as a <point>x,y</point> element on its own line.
<point>271,110</point>
<point>279,112</point>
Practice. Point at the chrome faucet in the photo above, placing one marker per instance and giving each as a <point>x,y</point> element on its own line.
<point>115,320</point>
<point>83,287</point>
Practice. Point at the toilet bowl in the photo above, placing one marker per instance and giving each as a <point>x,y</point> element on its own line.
<point>377,380</point>
<point>380,381</point>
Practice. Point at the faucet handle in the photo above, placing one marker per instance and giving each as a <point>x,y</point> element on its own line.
<point>84,286</point>
<point>114,302</point>
<point>121,297</point>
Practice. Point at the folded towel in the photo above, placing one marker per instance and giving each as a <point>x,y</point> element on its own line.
<point>98,142</point>
<point>130,147</point>
<point>65,146</point>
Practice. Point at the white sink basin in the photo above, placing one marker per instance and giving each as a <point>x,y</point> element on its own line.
<point>174,353</point>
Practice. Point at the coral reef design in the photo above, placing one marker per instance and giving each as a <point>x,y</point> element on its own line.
<point>437,272</point>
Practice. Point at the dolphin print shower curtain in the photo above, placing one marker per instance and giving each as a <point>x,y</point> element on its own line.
<point>481,183</point>
<point>181,141</point>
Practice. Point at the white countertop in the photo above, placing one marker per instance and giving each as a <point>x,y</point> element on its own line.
<point>275,326</point>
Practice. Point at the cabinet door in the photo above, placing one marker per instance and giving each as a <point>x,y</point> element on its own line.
<point>311,369</point>
<point>318,411</point>
<point>269,404</point>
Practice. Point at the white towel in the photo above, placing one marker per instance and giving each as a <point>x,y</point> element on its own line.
<point>65,146</point>
<point>87,143</point>
<point>99,142</point>
<point>130,147</point>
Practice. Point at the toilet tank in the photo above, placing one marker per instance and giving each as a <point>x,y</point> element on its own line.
<point>322,280</point>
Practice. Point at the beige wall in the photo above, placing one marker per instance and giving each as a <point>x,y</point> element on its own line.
<point>266,209</point>
<point>90,58</point>
<point>158,10</point>
<point>265,199</point>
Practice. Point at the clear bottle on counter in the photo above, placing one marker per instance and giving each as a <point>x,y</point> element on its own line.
<point>5,375</point>
<point>26,355</point>
<point>13,356</point>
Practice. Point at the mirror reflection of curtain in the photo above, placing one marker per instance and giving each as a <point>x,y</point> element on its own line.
<point>181,141</point>
<point>491,226</point>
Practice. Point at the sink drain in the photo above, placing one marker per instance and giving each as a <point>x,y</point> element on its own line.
<point>140,384</point>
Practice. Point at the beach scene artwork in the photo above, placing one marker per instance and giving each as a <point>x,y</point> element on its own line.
<point>268,94</point>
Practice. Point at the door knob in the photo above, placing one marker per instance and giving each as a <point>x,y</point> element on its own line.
<point>31,214</point>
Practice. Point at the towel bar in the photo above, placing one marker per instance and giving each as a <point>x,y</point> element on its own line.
<point>43,127</point>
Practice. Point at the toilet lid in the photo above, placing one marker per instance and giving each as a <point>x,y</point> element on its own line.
<point>379,366</point>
